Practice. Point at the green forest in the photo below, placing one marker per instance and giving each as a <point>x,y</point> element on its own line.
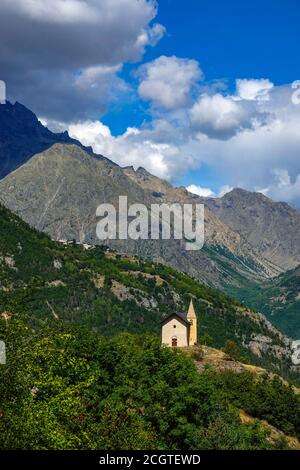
<point>85,368</point>
<point>76,390</point>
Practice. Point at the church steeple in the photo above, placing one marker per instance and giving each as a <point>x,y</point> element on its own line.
<point>191,316</point>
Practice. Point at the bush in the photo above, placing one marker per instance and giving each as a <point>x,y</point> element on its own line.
<point>198,354</point>
<point>232,350</point>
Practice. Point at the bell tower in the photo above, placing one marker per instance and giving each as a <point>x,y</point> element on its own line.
<point>191,316</point>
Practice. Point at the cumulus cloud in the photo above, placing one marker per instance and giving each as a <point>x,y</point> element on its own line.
<point>200,191</point>
<point>65,62</point>
<point>56,11</point>
<point>252,156</point>
<point>168,81</point>
<point>221,116</point>
<point>253,89</point>
<point>137,147</point>
<point>59,39</point>
<point>207,192</point>
<point>224,190</point>
<point>282,188</point>
<point>238,153</point>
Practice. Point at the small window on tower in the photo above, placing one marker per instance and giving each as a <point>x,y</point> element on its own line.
<point>174,326</point>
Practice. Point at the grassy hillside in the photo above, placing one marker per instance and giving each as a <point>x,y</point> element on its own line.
<point>44,283</point>
<point>73,381</point>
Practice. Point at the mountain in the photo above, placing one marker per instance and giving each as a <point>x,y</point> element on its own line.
<point>43,282</point>
<point>279,300</point>
<point>249,239</point>
<point>81,324</point>
<point>59,190</point>
<point>272,228</point>
<point>219,236</point>
<point>22,135</point>
<point>148,181</point>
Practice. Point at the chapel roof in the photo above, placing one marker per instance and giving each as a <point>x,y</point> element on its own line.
<point>181,315</point>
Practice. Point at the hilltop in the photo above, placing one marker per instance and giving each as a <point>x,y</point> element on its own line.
<point>65,388</point>
<point>46,282</point>
<point>22,135</point>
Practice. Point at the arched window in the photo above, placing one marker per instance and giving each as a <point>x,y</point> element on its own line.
<point>174,341</point>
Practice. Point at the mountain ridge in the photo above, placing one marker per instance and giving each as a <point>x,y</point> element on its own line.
<point>22,135</point>
<point>58,191</point>
<point>272,228</point>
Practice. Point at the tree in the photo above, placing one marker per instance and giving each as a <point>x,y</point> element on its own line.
<point>206,339</point>
<point>232,350</point>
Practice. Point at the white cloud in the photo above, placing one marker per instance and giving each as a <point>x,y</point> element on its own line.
<point>247,158</point>
<point>48,43</point>
<point>220,116</point>
<point>57,11</point>
<point>207,192</point>
<point>253,89</point>
<point>150,36</point>
<point>282,188</point>
<point>134,147</point>
<point>168,81</point>
<point>223,116</point>
<point>200,191</point>
<point>91,76</point>
<point>224,190</point>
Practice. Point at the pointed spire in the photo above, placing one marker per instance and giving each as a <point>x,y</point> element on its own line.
<point>191,311</point>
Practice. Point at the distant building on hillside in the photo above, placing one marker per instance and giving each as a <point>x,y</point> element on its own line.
<point>180,329</point>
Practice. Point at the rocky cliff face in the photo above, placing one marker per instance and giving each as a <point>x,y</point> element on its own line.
<point>272,228</point>
<point>249,239</point>
<point>22,135</point>
<point>217,233</point>
<point>58,191</point>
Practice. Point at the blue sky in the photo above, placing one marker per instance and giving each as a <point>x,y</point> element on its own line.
<point>235,38</point>
<point>197,92</point>
<point>229,38</point>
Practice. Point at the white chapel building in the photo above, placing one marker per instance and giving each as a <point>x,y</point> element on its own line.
<point>180,329</point>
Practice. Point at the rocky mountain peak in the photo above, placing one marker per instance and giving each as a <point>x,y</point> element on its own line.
<point>272,228</point>
<point>22,135</point>
<point>147,181</point>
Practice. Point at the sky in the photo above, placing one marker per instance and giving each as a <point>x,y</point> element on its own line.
<point>204,94</point>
